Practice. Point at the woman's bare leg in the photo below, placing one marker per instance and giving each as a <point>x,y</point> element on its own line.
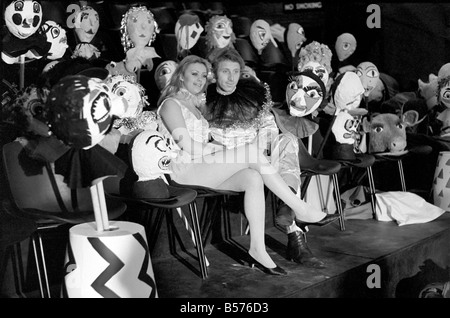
<point>250,182</point>
<point>213,170</point>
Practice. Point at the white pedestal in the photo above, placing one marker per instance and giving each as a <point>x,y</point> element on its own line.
<point>110,264</point>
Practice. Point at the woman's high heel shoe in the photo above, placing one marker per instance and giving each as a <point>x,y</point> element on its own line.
<point>271,271</point>
<point>326,220</point>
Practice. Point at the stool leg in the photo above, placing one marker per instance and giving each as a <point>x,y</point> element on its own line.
<point>198,239</point>
<point>337,193</point>
<point>40,260</point>
<point>402,175</point>
<point>373,198</point>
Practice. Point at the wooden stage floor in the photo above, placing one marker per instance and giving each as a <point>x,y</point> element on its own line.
<point>397,262</point>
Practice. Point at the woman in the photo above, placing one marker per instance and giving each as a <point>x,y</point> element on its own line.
<point>200,162</point>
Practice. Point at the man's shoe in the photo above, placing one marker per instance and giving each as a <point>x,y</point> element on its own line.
<point>299,252</point>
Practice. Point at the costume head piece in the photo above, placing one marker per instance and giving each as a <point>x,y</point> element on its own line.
<point>163,73</point>
<point>304,93</point>
<point>369,75</point>
<point>345,46</point>
<point>81,110</point>
<point>260,35</point>
<point>317,52</point>
<point>23,17</point>
<point>219,32</point>
<point>138,28</point>
<point>295,37</point>
<point>86,24</point>
<point>188,30</point>
<point>347,91</point>
<point>151,155</point>
<point>56,35</point>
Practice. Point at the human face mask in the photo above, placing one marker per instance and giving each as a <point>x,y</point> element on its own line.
<point>295,37</point>
<point>164,72</point>
<point>81,110</point>
<point>23,18</point>
<point>151,155</point>
<point>304,94</point>
<point>345,46</point>
<point>260,35</point>
<point>87,23</point>
<point>188,30</point>
<point>369,75</point>
<point>57,37</point>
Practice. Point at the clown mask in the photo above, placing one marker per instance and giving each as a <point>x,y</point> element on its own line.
<point>220,32</point>
<point>81,110</point>
<point>188,30</point>
<point>260,35</point>
<point>345,46</point>
<point>163,73</point>
<point>56,35</point>
<point>348,93</point>
<point>295,37</point>
<point>345,128</point>
<point>151,155</point>
<point>304,94</point>
<point>368,74</point>
<point>317,69</point>
<point>87,23</point>
<point>127,88</point>
<point>23,18</point>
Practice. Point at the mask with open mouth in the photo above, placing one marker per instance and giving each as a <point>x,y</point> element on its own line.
<point>219,32</point>
<point>81,110</point>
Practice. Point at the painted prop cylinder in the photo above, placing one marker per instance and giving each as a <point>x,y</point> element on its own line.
<point>114,263</point>
<point>441,183</point>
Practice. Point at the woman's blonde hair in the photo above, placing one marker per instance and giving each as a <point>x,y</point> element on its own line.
<point>176,84</point>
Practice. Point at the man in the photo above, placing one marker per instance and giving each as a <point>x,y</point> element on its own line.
<point>238,109</point>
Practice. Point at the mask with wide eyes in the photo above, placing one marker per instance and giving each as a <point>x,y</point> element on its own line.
<point>345,46</point>
<point>303,95</point>
<point>164,72</point>
<point>260,35</point>
<point>56,35</point>
<point>368,74</point>
<point>151,155</point>
<point>127,88</point>
<point>23,18</point>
